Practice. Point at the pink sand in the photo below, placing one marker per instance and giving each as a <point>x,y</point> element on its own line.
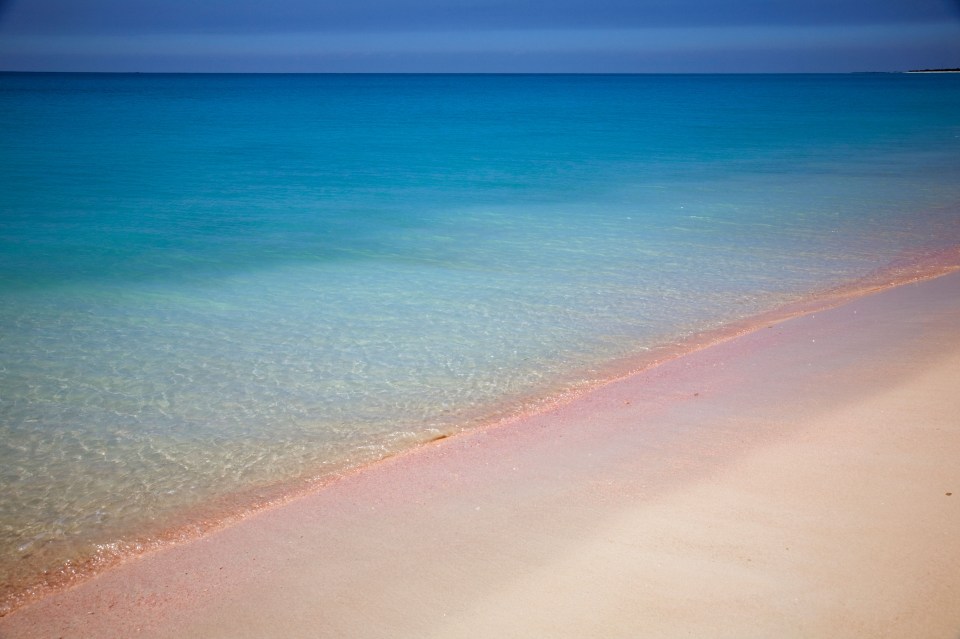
<point>798,481</point>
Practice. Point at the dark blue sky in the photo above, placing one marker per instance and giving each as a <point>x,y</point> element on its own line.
<point>610,36</point>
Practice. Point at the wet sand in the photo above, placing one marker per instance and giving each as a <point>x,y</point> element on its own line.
<point>800,480</point>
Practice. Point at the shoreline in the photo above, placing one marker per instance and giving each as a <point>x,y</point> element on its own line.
<point>258,500</point>
<point>796,481</point>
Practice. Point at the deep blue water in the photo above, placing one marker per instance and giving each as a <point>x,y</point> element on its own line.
<point>215,282</point>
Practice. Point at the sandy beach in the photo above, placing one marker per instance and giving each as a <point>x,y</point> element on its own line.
<point>800,480</point>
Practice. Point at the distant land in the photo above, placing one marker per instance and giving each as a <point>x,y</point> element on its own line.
<point>934,71</point>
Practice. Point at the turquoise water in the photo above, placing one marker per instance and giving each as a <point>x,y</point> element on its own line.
<point>211,284</point>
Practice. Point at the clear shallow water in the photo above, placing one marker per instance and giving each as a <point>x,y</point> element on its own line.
<point>210,284</point>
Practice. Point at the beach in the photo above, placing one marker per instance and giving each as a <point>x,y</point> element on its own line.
<point>206,316</point>
<point>797,480</point>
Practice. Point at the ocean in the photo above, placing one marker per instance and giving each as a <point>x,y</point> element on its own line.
<point>216,290</point>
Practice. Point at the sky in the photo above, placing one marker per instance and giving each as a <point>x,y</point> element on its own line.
<point>479,36</point>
